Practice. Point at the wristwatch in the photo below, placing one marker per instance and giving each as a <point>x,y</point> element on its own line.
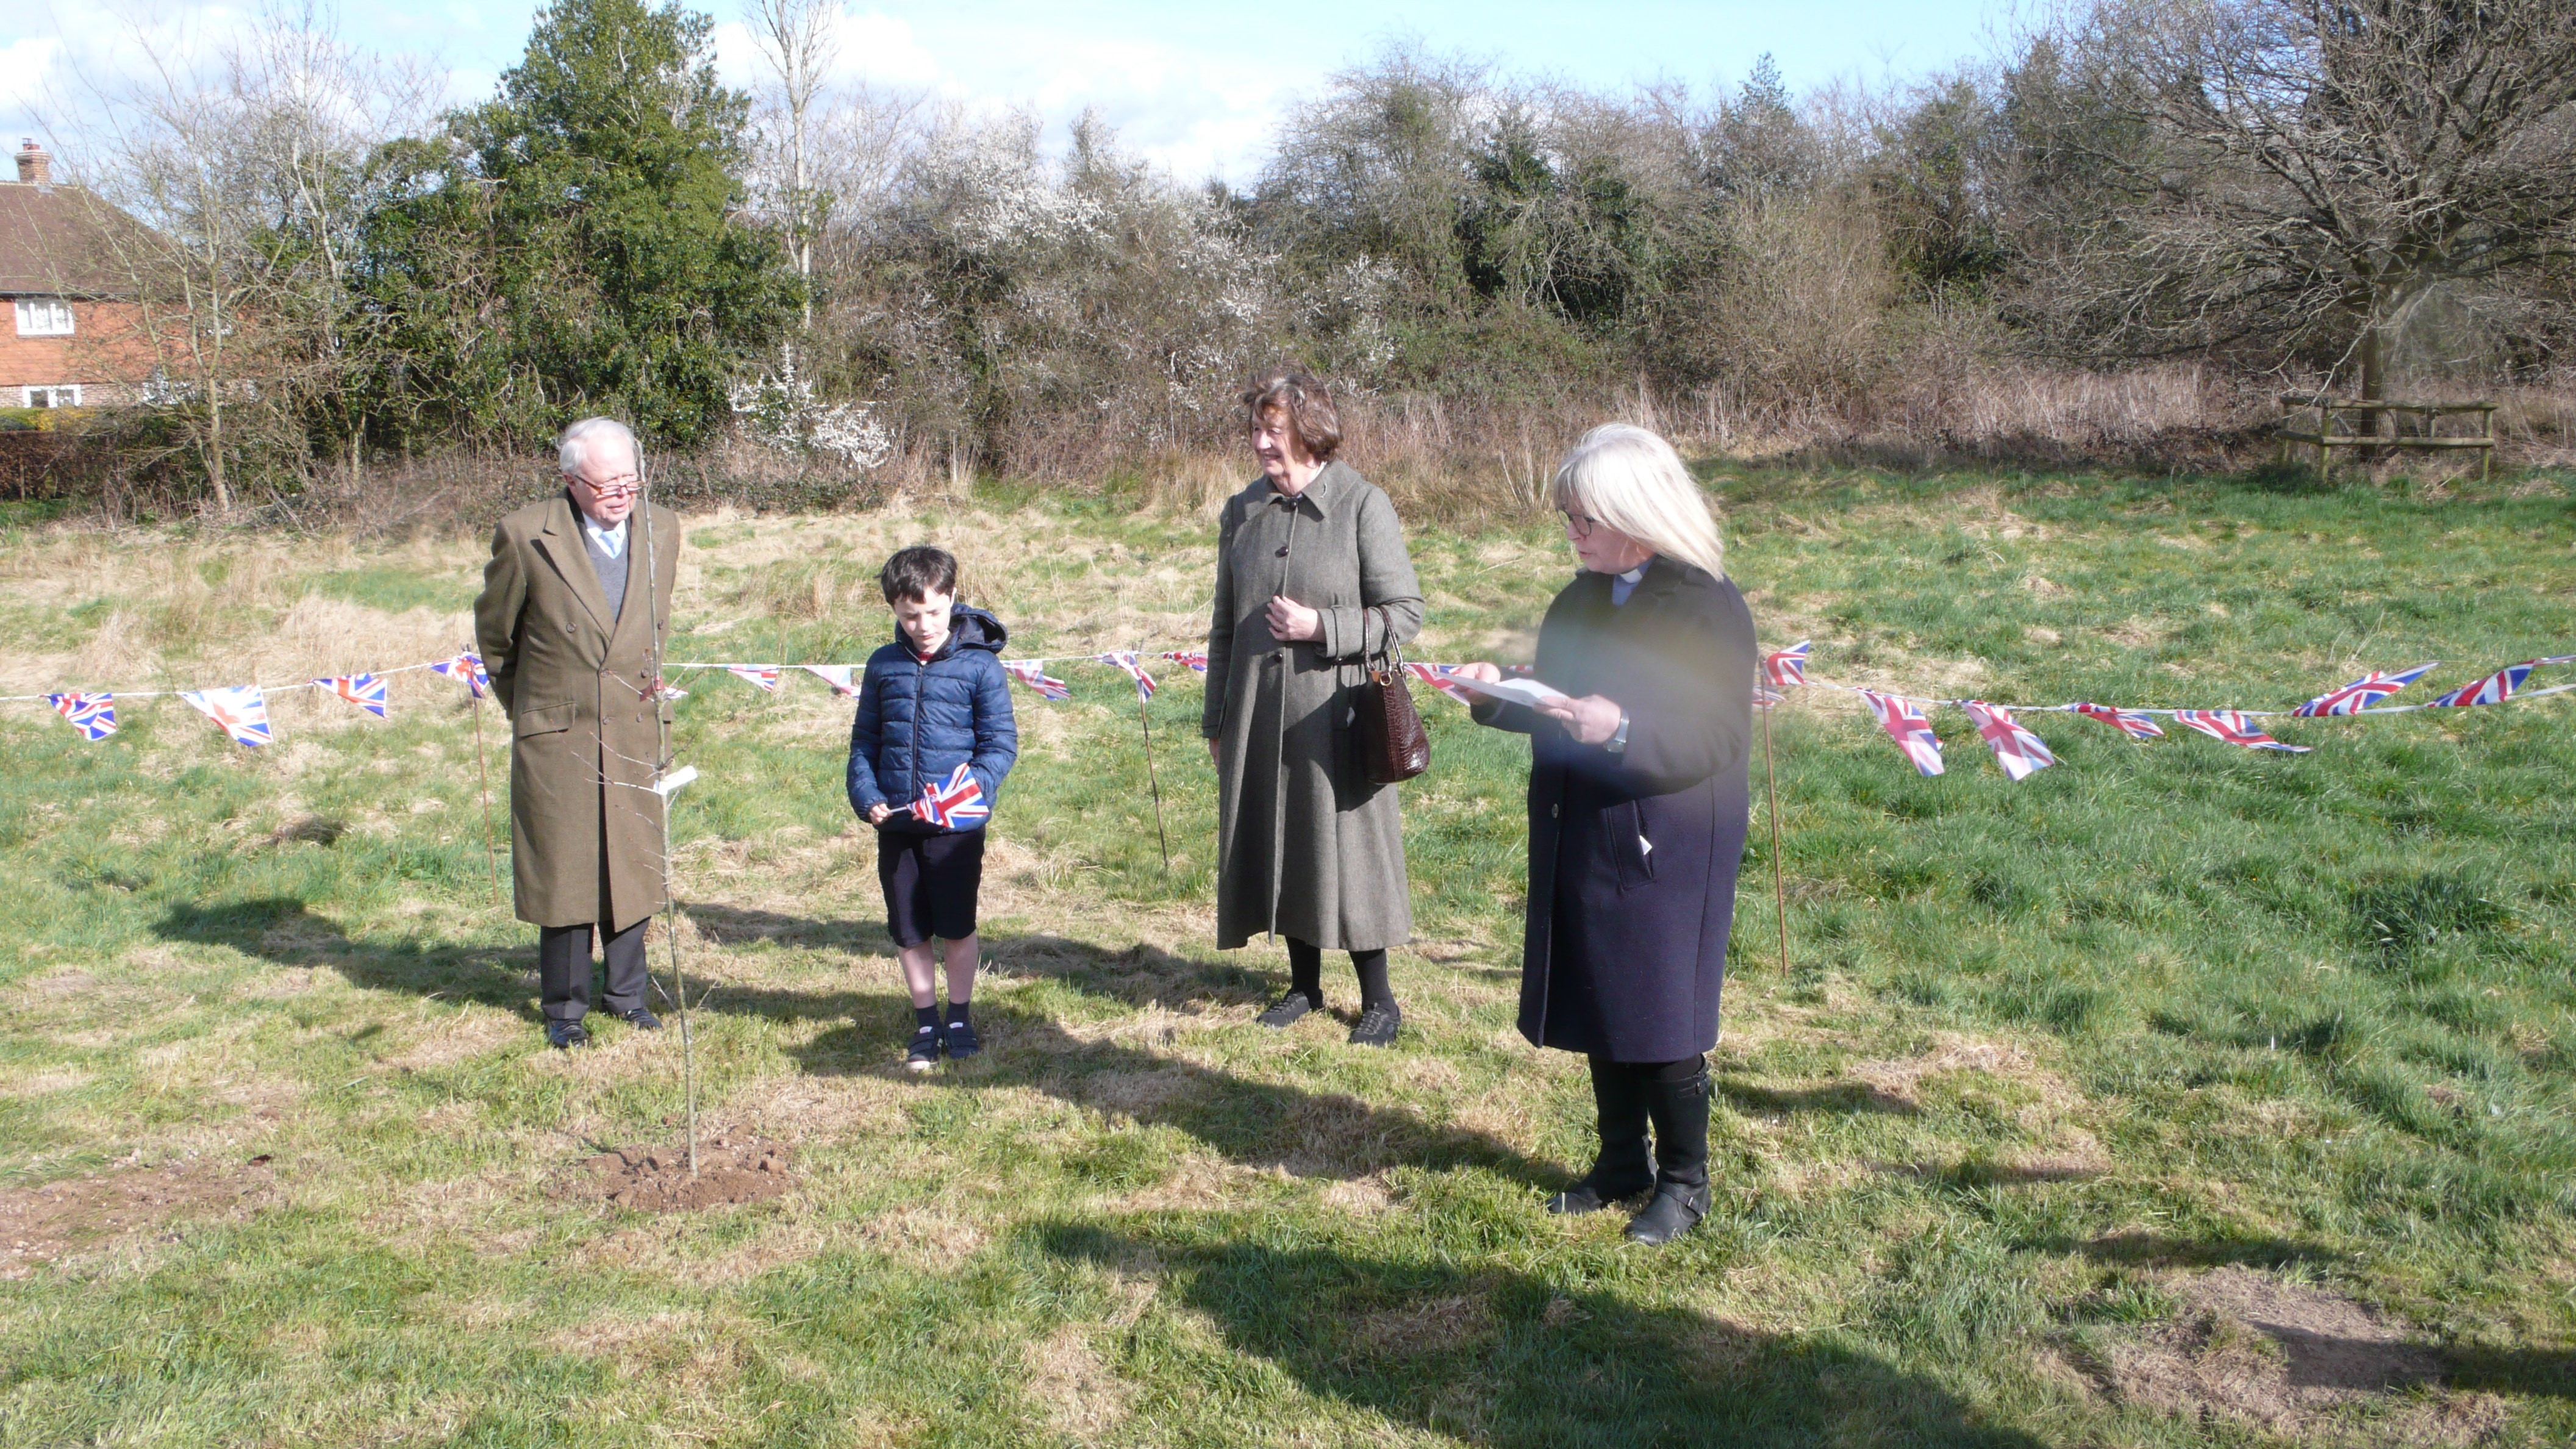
<point>1618,741</point>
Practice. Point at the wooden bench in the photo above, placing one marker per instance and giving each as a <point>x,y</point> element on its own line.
<point>2325,439</point>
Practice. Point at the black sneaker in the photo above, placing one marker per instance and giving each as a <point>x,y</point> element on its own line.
<point>1287,1009</point>
<point>1377,1027</point>
<point>642,1019</point>
<point>962,1042</point>
<point>563,1036</point>
<point>925,1050</point>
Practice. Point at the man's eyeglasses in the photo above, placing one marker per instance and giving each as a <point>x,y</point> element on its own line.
<point>1581,525</point>
<point>622,486</point>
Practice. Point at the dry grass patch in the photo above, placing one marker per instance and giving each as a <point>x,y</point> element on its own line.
<point>1081,1395</point>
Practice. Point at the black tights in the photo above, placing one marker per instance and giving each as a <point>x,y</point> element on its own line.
<point>1669,1073</point>
<point>1306,974</point>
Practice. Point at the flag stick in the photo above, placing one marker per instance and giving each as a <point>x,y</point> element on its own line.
<point>1156,783</point>
<point>1779,892</point>
<point>483,773</point>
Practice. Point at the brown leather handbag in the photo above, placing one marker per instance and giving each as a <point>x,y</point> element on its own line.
<point>1399,748</point>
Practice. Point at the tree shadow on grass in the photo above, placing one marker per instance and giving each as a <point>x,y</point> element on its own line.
<point>2137,1248</point>
<point>1832,1097</point>
<point>2523,1371</point>
<point>284,930</point>
<point>1507,1359</point>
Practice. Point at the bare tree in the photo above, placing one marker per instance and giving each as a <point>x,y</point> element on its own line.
<point>797,44</point>
<point>2296,161</point>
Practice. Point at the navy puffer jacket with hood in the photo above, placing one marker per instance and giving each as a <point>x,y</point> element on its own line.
<point>919,719</point>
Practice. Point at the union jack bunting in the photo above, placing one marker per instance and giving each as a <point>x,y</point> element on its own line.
<point>835,675</point>
<point>955,805</point>
<point>1437,676</point>
<point>2016,749</point>
<point>653,688</point>
<point>764,675</point>
<point>2235,728</point>
<point>1126,659</point>
<point>2362,693</point>
<point>1196,659</point>
<point>2496,688</point>
<point>94,715</point>
<point>2127,721</point>
<point>2557,659</point>
<point>1764,697</point>
<point>466,669</point>
<point>366,691</point>
<point>241,709</point>
<point>1904,722</point>
<point>1032,673</point>
<point>1783,668</point>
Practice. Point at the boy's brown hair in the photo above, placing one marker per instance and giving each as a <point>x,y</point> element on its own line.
<point>917,573</point>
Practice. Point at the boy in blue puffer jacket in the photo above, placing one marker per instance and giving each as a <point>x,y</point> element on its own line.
<point>932,742</point>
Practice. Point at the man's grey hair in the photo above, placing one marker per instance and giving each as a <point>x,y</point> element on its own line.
<point>572,449</point>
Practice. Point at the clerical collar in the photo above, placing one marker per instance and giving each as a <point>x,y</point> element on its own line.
<point>1635,576</point>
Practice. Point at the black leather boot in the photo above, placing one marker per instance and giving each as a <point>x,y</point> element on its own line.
<point>1621,1171</point>
<point>1680,1112</point>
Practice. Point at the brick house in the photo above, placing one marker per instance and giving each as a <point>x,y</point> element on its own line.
<point>68,340</point>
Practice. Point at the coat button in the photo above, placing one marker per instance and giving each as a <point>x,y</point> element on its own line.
<point>1283,550</point>
<point>1551,812</point>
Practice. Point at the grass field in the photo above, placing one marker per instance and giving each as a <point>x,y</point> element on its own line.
<point>2181,1094</point>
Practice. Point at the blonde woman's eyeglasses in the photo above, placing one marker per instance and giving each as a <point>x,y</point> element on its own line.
<point>1581,525</point>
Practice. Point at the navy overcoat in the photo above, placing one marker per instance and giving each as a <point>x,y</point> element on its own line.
<point>1633,855</point>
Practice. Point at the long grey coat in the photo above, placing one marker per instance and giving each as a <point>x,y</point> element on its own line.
<point>570,671</point>
<point>1306,846</point>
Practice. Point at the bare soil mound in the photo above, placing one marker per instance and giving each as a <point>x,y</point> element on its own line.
<point>657,1179</point>
<point>2295,1360</point>
<point>41,1223</point>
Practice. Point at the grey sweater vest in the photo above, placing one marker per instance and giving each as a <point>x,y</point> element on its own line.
<point>612,571</point>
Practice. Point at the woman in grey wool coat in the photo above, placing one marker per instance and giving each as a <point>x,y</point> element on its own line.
<point>1311,580</point>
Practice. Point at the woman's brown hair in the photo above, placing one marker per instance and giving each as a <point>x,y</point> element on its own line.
<point>1307,403</point>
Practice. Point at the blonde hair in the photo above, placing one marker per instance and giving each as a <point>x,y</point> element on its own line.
<point>1632,480</point>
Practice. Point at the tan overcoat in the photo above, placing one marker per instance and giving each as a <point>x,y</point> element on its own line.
<point>1306,846</point>
<point>571,673</point>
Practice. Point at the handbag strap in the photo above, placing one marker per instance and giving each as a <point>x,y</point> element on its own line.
<point>1387,648</point>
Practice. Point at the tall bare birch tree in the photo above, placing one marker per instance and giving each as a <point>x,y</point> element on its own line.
<point>797,44</point>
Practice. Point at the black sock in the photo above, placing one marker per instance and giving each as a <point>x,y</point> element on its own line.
<point>925,1018</point>
<point>1375,994</point>
<point>1306,971</point>
<point>957,1013</point>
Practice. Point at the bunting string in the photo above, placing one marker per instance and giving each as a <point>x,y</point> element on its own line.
<point>242,711</point>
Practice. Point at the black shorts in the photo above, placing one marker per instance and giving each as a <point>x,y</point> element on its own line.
<point>930,883</point>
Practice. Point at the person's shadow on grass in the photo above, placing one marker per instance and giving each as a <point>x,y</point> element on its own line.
<point>284,930</point>
<point>1491,1356</point>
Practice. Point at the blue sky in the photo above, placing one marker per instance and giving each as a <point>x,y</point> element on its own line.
<point>1190,85</point>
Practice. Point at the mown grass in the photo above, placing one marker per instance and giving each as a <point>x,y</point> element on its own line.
<point>2043,1053</point>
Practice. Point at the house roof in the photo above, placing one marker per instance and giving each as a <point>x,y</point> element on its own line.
<point>64,240</point>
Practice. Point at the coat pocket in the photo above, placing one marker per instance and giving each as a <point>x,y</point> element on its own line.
<point>545,719</point>
<point>1632,844</point>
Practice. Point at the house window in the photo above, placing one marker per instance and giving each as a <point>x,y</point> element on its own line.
<point>61,395</point>
<point>44,317</point>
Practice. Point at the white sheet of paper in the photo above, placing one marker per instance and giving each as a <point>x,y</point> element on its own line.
<point>674,780</point>
<point>1510,691</point>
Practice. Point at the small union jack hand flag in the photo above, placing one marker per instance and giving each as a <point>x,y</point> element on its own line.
<point>241,709</point>
<point>1904,722</point>
<point>366,691</point>
<point>1126,659</point>
<point>94,715</point>
<point>1032,674</point>
<point>1196,659</point>
<point>2362,693</point>
<point>1785,667</point>
<point>835,675</point>
<point>2235,728</point>
<point>656,688</point>
<point>2496,688</point>
<point>1437,676</point>
<point>2016,749</point>
<point>764,675</point>
<point>466,669</point>
<point>2127,721</point>
<point>955,805</point>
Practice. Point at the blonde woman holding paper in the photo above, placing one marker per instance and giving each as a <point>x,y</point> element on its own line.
<point>1637,810</point>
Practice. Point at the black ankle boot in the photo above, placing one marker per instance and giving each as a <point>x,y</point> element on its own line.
<point>1621,1171</point>
<point>1680,1112</point>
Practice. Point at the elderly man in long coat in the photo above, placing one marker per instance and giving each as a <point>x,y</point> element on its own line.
<point>576,606</point>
